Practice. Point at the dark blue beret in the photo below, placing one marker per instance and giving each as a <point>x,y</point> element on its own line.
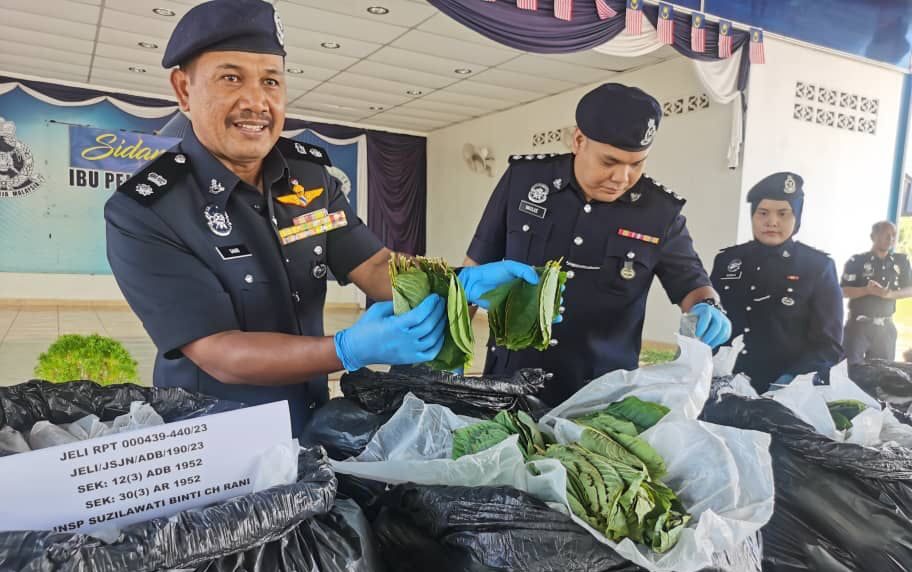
<point>783,186</point>
<point>620,116</point>
<point>226,26</point>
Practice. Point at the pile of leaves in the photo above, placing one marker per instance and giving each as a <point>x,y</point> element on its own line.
<point>843,411</point>
<point>612,473</point>
<point>413,280</point>
<point>520,314</point>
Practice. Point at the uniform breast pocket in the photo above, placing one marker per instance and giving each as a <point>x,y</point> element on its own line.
<point>526,240</point>
<point>258,304</point>
<point>627,268</point>
<point>790,300</point>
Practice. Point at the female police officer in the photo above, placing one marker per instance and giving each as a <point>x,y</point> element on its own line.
<point>783,295</point>
<point>614,227</point>
<point>211,242</point>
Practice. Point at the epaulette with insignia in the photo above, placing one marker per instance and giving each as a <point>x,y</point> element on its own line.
<point>534,157</point>
<point>665,190</point>
<point>155,179</point>
<point>296,149</point>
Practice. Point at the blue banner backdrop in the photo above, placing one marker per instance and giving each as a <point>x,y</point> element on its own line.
<point>56,174</point>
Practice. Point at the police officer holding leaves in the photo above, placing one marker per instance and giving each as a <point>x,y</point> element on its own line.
<point>222,245</point>
<point>781,294</point>
<point>873,281</point>
<point>615,229</point>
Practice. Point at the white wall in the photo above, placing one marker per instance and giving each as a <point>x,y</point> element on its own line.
<point>689,156</point>
<point>847,174</point>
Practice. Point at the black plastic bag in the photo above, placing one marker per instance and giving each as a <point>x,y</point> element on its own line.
<point>483,397</point>
<point>23,405</point>
<point>342,428</point>
<point>289,528</point>
<point>475,529</point>
<point>839,506</point>
<point>889,382</point>
<point>338,541</point>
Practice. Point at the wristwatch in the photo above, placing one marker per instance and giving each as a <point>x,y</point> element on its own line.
<point>712,302</point>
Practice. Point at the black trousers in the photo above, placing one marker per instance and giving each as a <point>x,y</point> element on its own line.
<point>866,340</point>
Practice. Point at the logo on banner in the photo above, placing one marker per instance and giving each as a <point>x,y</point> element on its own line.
<point>17,176</point>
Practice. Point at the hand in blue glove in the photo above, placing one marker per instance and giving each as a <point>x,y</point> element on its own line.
<point>381,337</point>
<point>479,280</point>
<point>713,326</point>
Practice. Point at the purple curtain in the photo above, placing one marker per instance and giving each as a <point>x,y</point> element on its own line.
<point>67,93</point>
<point>396,183</point>
<point>539,31</point>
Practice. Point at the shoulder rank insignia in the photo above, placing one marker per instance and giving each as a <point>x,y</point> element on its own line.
<point>667,192</point>
<point>298,150</point>
<point>533,157</point>
<point>156,178</point>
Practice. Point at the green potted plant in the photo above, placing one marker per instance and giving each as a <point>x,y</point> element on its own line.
<point>97,358</point>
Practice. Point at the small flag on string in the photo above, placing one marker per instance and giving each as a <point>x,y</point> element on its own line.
<point>725,39</point>
<point>698,33</point>
<point>563,9</point>
<point>527,4</point>
<point>666,23</point>
<point>634,23</point>
<point>757,53</point>
<point>604,10</point>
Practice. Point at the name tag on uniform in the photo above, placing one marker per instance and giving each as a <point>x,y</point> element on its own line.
<point>233,252</point>
<point>534,210</point>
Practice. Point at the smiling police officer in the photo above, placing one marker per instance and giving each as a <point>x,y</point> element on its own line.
<point>614,227</point>
<point>222,245</point>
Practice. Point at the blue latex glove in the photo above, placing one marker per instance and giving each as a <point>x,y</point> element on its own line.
<point>713,326</point>
<point>479,280</point>
<point>381,337</point>
<point>781,382</point>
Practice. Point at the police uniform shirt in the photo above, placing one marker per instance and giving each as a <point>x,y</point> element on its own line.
<point>195,251</point>
<point>787,303</point>
<point>611,252</point>
<point>892,272</point>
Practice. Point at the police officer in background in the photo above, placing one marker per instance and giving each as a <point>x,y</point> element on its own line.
<point>872,282</point>
<point>615,229</point>
<point>222,245</point>
<point>781,294</point>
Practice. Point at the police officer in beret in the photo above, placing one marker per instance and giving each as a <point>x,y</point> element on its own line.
<point>614,228</point>
<point>222,245</point>
<point>781,294</point>
<point>873,281</point>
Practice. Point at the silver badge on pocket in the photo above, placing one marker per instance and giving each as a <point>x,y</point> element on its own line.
<point>627,272</point>
<point>787,301</point>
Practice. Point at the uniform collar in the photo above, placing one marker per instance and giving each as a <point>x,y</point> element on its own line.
<point>784,250</point>
<point>215,180</point>
<point>872,256</point>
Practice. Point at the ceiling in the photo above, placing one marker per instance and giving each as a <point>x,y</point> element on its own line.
<point>394,70</point>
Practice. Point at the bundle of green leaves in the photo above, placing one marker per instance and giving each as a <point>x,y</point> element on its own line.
<point>612,473</point>
<point>413,280</point>
<point>97,358</point>
<point>520,314</point>
<point>843,411</point>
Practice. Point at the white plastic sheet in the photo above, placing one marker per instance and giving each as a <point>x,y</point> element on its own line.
<point>681,385</point>
<point>723,475</point>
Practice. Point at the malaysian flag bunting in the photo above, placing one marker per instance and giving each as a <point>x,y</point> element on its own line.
<point>634,23</point>
<point>757,53</point>
<point>563,9</point>
<point>725,39</point>
<point>666,23</point>
<point>698,33</point>
<point>527,4</point>
<point>604,10</point>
